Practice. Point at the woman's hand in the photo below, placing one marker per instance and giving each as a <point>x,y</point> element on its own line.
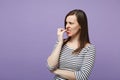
<point>60,32</point>
<point>69,75</point>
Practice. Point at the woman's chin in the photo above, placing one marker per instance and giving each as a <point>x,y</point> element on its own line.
<point>68,35</point>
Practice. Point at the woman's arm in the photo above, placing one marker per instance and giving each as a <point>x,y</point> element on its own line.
<point>84,71</point>
<point>65,74</point>
<point>53,58</point>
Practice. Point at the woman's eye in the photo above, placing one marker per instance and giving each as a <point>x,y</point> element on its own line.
<point>70,23</point>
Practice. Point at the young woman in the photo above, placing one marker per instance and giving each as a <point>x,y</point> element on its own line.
<point>72,58</point>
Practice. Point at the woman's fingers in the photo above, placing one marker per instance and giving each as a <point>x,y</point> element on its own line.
<point>60,33</point>
<point>61,30</point>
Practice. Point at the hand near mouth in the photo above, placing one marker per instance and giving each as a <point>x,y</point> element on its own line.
<point>60,32</point>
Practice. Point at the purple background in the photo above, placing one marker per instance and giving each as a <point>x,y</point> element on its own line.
<point>28,33</point>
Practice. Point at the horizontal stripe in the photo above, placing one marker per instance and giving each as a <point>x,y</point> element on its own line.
<point>81,64</point>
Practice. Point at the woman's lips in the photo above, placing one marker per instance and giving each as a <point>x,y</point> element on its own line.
<point>68,32</point>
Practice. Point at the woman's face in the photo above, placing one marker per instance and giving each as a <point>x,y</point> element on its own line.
<point>72,26</point>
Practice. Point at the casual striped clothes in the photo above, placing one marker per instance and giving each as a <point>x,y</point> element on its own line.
<point>80,64</point>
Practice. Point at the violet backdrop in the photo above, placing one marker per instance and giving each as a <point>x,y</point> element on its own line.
<point>28,34</point>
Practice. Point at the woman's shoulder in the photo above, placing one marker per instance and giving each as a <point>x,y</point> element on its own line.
<point>89,46</point>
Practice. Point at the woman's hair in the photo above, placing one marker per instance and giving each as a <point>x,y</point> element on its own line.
<point>84,36</point>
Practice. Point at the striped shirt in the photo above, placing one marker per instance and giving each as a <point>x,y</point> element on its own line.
<point>81,64</point>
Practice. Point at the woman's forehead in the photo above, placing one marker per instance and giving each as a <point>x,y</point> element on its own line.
<point>71,18</point>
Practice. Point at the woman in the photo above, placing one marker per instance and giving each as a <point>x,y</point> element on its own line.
<point>72,58</point>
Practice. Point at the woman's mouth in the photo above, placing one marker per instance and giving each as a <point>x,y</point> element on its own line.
<point>68,32</point>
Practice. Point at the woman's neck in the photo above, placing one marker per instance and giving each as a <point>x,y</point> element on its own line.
<point>74,42</point>
<point>75,38</point>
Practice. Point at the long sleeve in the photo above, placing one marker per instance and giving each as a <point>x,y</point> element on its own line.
<point>87,65</point>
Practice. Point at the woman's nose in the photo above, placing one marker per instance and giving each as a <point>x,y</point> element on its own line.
<point>67,26</point>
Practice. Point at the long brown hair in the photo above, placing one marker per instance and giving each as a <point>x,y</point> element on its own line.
<point>84,36</point>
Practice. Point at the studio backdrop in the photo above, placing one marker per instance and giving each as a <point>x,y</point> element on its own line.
<point>28,34</point>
